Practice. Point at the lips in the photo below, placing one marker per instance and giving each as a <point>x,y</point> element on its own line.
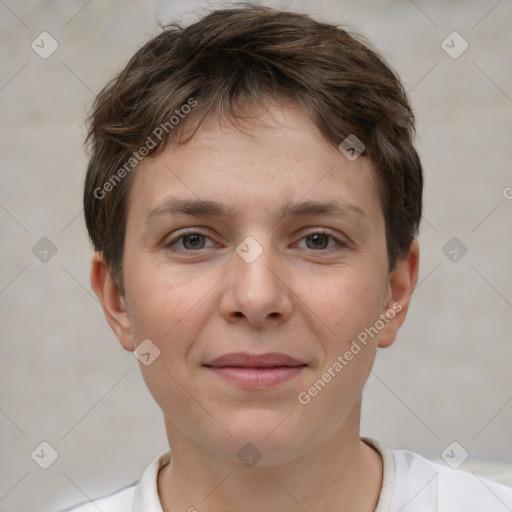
<point>252,372</point>
<point>244,360</point>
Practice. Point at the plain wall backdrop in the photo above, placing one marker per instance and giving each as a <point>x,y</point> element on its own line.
<point>65,378</point>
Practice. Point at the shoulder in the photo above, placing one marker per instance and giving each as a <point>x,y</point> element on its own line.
<point>119,501</point>
<point>141,495</point>
<point>419,479</point>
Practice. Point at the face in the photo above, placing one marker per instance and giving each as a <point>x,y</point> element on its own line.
<point>280,249</point>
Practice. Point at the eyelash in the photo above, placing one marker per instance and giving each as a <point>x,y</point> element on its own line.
<point>173,243</point>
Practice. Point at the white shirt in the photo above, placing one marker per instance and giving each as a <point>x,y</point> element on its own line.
<point>411,483</point>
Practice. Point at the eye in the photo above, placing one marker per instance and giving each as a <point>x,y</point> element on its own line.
<point>319,240</point>
<point>195,241</point>
<point>192,240</point>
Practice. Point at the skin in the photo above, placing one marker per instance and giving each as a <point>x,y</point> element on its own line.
<point>303,297</point>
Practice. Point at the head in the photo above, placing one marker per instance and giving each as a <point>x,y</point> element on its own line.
<point>212,133</point>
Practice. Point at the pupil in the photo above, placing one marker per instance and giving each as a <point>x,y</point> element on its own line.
<point>194,239</point>
<point>318,237</point>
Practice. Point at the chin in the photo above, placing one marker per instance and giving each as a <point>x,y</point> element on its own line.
<point>264,434</point>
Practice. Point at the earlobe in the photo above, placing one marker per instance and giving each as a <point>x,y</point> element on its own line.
<point>113,303</point>
<point>402,281</point>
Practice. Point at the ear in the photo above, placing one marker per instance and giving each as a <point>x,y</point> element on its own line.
<point>402,281</point>
<point>113,303</point>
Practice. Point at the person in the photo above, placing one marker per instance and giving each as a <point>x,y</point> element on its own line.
<point>253,196</point>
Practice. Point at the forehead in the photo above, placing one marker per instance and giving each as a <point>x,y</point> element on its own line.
<point>273,160</point>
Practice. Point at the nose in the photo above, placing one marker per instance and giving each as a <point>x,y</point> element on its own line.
<point>258,288</point>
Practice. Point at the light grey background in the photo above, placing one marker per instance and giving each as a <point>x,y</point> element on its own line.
<point>65,378</point>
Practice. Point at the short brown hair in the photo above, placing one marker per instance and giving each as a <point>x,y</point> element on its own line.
<point>234,57</point>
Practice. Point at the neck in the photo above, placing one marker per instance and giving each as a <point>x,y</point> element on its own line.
<point>339,473</point>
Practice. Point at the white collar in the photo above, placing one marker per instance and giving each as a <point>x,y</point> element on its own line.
<point>146,498</point>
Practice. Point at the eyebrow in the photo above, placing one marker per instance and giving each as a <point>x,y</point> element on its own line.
<point>213,208</point>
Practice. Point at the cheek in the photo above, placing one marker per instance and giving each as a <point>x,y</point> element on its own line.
<point>347,302</point>
<point>160,299</point>
<point>171,309</point>
<point>349,308</point>
<point>168,309</point>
